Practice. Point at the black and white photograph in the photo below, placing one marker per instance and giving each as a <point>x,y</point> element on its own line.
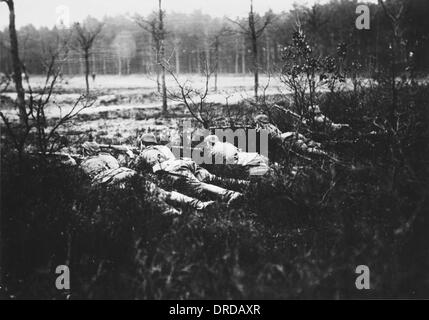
<point>198,150</point>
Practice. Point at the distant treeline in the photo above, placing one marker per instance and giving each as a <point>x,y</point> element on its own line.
<point>123,47</point>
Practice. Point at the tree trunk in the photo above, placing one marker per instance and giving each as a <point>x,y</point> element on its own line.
<point>393,86</point>
<point>1,54</point>
<point>162,59</point>
<point>87,71</point>
<point>158,76</point>
<point>255,63</point>
<point>104,64</point>
<point>254,39</point>
<point>177,51</point>
<point>190,64</point>
<point>16,63</point>
<point>148,56</point>
<point>243,58</point>
<point>94,64</point>
<point>276,50</point>
<point>237,56</point>
<point>255,67</point>
<point>207,54</point>
<point>216,61</point>
<point>198,61</point>
<point>268,53</point>
<point>164,93</point>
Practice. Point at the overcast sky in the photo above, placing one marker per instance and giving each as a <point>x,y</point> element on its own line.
<point>43,12</point>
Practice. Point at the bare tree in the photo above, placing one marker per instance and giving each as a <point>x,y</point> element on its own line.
<point>216,42</point>
<point>151,26</point>
<point>156,28</point>
<point>395,16</point>
<point>16,62</point>
<point>162,56</point>
<point>237,56</point>
<point>86,35</point>
<point>243,57</point>
<point>253,31</point>
<point>195,100</point>
<point>46,137</point>
<point>177,54</point>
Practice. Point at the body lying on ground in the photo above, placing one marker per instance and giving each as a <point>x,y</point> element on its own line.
<point>104,169</point>
<point>186,174</point>
<point>318,118</point>
<point>255,164</point>
<point>292,140</point>
<point>323,121</point>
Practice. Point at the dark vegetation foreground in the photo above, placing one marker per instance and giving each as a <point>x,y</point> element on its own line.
<point>295,236</point>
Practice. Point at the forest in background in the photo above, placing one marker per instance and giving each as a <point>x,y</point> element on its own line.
<point>123,47</point>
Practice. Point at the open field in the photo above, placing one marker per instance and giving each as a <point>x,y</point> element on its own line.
<point>138,92</point>
<point>146,84</point>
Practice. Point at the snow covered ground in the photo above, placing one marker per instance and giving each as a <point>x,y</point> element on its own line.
<point>140,92</point>
<point>148,82</point>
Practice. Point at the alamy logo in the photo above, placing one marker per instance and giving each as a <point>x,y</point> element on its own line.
<point>363,20</point>
<point>362,281</point>
<point>242,140</point>
<point>63,280</point>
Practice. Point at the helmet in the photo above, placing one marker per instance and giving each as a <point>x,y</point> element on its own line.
<point>262,118</point>
<point>148,138</point>
<point>211,140</point>
<point>287,135</point>
<point>91,148</point>
<point>315,109</point>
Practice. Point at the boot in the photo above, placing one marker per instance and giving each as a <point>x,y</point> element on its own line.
<point>234,199</point>
<point>200,205</point>
<point>193,203</point>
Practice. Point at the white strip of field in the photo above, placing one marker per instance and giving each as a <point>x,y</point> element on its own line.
<point>119,93</point>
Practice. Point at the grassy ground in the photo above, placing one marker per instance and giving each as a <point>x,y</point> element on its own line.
<point>294,237</point>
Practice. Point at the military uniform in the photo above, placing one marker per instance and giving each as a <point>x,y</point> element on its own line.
<point>104,169</point>
<point>254,163</point>
<point>292,140</point>
<point>323,121</point>
<point>186,174</point>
